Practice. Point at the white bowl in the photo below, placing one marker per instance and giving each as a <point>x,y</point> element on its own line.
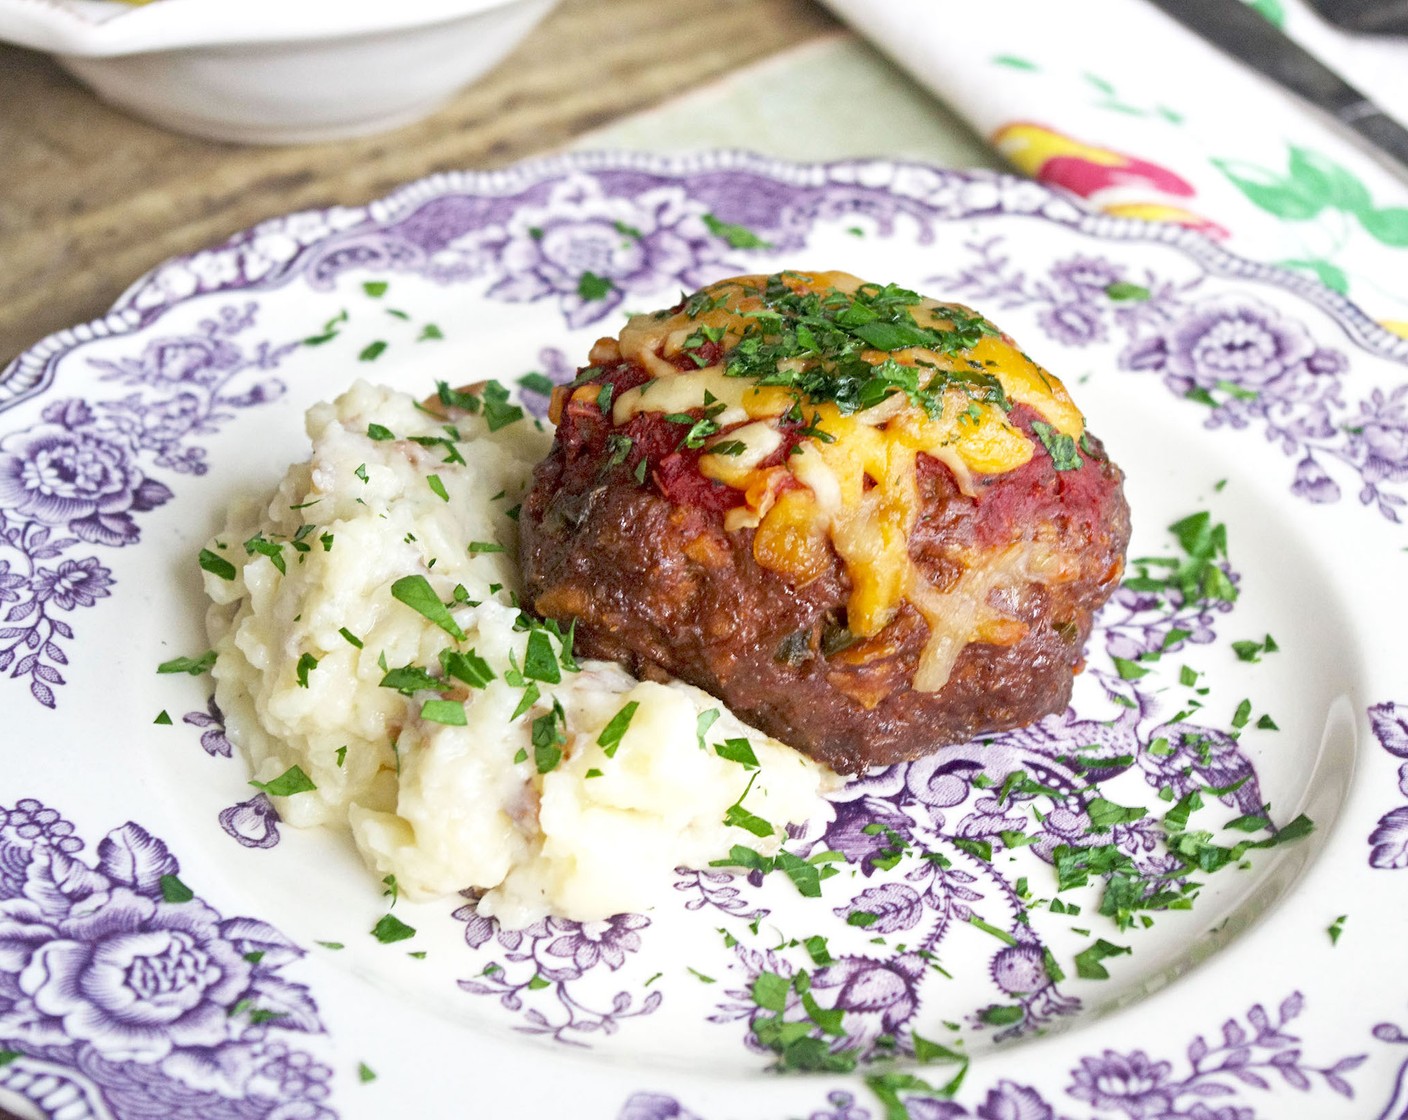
<point>274,71</point>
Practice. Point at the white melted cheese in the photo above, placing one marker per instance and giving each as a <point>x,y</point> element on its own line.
<point>860,481</point>
<point>679,392</point>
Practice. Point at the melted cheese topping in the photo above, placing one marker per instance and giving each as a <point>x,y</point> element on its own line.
<point>858,492</point>
<point>679,392</point>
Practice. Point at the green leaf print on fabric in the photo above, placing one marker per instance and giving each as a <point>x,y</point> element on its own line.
<point>1389,225</point>
<point>1287,198</point>
<point>1329,200</point>
<point>1269,10</point>
<point>1331,275</point>
<point>1327,180</point>
<point>1313,183</point>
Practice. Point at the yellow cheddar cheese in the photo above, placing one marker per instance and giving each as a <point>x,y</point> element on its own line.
<point>872,377</point>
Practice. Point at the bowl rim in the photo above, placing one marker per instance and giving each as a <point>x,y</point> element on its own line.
<point>109,28</point>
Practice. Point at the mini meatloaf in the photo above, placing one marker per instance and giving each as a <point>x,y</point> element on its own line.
<point>863,519</point>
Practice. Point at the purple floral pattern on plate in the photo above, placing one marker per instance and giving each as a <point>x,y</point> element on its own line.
<point>113,972</point>
<point>1389,840</point>
<point>542,966</point>
<point>583,236</point>
<point>1253,1052</point>
<point>79,479</point>
<point>1244,361</point>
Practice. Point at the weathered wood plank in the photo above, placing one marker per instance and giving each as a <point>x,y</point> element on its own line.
<point>90,198</point>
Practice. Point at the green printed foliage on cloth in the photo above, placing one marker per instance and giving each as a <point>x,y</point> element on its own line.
<point>1269,10</point>
<point>1314,188</point>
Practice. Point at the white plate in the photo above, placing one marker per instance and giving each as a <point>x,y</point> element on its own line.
<point>121,441</point>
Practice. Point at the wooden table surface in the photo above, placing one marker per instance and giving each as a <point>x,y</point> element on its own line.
<point>91,198</point>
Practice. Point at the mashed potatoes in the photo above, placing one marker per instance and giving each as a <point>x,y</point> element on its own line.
<point>367,634</point>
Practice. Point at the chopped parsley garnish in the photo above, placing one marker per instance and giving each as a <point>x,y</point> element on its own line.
<point>978,849</point>
<point>216,565</point>
<point>163,717</point>
<point>1336,928</point>
<point>377,432</point>
<point>291,781</point>
<point>466,666</point>
<point>375,288</point>
<point>350,637</point>
<point>806,874</point>
<point>437,487</point>
<point>1128,670</point>
<point>409,679</point>
<point>539,661</point>
<point>390,929</point>
<point>549,735</point>
<point>444,443</point>
<point>735,236</point>
<point>537,383</point>
<point>889,1084</point>
<point>1061,447</point>
<point>567,640</point>
<point>796,1042</point>
<point>1121,291</point>
<point>173,890</point>
<point>193,665</point>
<point>1088,966</point>
<point>615,730</point>
<point>527,700</point>
<point>1198,576</point>
<point>274,550</point>
<point>814,431</point>
<point>448,712</point>
<point>455,398</point>
<point>341,753</point>
<point>1252,650</point>
<point>618,448</point>
<point>590,286</point>
<point>1104,815</point>
<point>736,816</point>
<point>498,413</point>
<point>706,720</point>
<point>474,548</point>
<point>361,472</point>
<point>728,447</point>
<point>820,344</point>
<point>256,1014</point>
<point>737,750</point>
<point>416,593</point>
<point>372,351</point>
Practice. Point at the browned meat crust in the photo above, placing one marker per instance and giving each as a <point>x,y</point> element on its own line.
<point>655,582</point>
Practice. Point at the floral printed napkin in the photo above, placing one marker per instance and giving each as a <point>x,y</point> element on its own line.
<point>1114,101</point>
